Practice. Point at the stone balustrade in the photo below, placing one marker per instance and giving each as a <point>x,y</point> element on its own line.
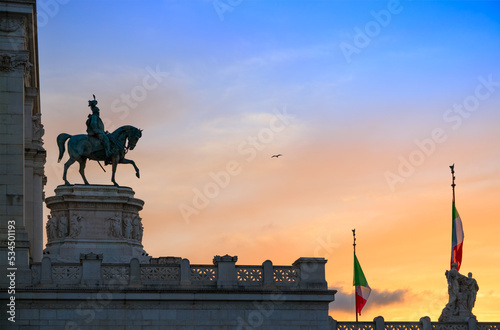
<point>424,324</point>
<point>172,272</point>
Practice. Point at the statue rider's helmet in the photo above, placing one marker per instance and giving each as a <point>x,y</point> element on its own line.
<point>93,103</point>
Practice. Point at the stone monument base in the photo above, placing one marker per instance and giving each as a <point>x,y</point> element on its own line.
<point>99,219</point>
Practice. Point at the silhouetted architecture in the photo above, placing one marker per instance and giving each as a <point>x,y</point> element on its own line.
<point>462,291</point>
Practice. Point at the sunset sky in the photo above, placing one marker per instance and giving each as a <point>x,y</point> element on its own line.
<point>368,101</point>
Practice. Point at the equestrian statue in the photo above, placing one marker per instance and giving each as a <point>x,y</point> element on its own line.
<point>99,145</point>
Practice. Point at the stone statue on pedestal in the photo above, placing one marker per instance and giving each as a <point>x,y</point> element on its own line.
<point>462,291</point>
<point>94,218</point>
<point>98,145</point>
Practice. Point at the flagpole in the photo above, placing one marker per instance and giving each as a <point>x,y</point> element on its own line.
<point>354,246</point>
<point>452,167</point>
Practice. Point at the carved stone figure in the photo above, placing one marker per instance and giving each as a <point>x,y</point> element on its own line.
<point>82,147</point>
<point>38,130</point>
<point>139,235</point>
<point>136,227</point>
<point>12,62</point>
<point>75,226</point>
<point>115,227</point>
<point>472,291</point>
<point>62,227</point>
<point>51,228</point>
<point>127,226</point>
<point>453,287</point>
<point>462,293</point>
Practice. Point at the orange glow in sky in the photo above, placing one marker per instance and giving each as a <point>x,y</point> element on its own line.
<point>367,134</point>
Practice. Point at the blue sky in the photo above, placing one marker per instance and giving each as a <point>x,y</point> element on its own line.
<point>203,87</point>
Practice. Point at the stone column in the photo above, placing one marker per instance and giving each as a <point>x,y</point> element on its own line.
<point>185,272</point>
<point>12,189</point>
<point>426,323</point>
<point>34,173</point>
<point>46,271</point>
<point>379,323</point>
<point>38,197</point>
<point>33,206</point>
<point>18,78</point>
<point>135,272</point>
<point>472,323</point>
<point>312,272</point>
<point>226,271</point>
<point>268,273</point>
<point>91,269</point>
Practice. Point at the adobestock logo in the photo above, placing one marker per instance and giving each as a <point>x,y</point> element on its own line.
<point>363,36</point>
<point>222,6</point>
<point>454,116</point>
<point>138,93</point>
<point>47,9</point>
<point>221,180</point>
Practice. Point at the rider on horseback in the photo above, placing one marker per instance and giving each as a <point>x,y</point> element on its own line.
<point>95,127</point>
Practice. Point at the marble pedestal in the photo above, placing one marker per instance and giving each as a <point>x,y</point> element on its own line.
<point>99,219</point>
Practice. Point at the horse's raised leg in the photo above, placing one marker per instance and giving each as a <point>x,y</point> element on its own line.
<point>114,163</point>
<point>82,170</point>
<point>129,161</point>
<point>66,166</point>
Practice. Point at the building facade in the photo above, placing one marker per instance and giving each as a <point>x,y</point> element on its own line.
<point>21,146</point>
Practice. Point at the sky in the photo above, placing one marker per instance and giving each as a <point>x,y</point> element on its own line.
<point>369,102</point>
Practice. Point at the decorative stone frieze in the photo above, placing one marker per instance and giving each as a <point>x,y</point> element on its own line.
<point>203,273</point>
<point>62,273</point>
<point>121,273</point>
<point>12,24</point>
<point>160,273</point>
<point>14,61</point>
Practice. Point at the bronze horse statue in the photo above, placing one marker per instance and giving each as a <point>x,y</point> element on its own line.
<point>82,147</point>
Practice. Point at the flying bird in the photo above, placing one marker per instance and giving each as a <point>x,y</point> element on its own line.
<point>276,155</point>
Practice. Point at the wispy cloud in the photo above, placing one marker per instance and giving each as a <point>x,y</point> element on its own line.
<point>344,300</point>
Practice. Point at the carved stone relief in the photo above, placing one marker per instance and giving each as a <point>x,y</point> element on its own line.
<point>127,226</point>
<point>38,130</point>
<point>13,62</point>
<point>75,226</point>
<point>137,228</point>
<point>51,228</point>
<point>62,226</point>
<point>115,227</point>
<point>12,24</point>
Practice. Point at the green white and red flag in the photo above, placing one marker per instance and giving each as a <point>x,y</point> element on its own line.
<point>361,286</point>
<point>457,238</point>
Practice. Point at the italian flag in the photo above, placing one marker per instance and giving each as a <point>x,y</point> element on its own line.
<point>362,288</point>
<point>457,238</point>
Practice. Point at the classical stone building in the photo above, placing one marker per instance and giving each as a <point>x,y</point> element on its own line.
<point>94,272</point>
<point>22,155</point>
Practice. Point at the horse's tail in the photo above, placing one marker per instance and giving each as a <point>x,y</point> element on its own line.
<point>61,140</point>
